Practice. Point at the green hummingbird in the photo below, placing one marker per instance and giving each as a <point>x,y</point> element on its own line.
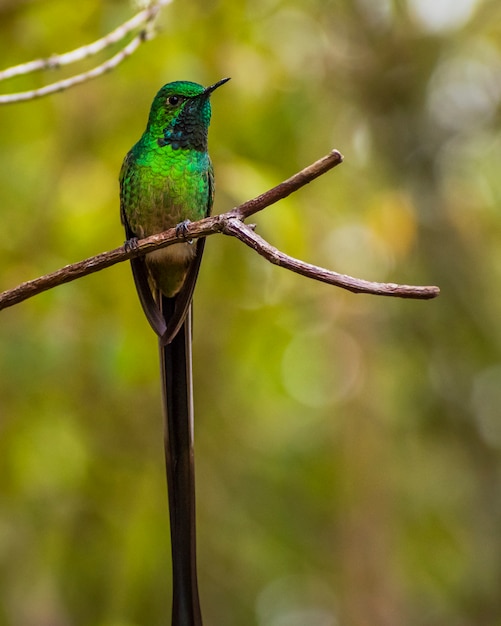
<point>166,180</point>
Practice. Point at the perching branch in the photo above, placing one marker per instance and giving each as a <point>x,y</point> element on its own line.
<point>230,223</point>
<point>143,18</point>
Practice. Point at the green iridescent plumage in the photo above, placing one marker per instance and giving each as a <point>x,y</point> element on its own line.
<point>167,177</point>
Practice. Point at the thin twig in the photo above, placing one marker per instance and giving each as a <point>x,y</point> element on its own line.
<point>145,17</point>
<point>58,60</point>
<point>79,78</point>
<point>229,223</point>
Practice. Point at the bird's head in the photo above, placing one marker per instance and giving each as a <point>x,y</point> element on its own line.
<point>180,115</point>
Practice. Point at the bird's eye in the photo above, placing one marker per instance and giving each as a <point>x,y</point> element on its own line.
<point>173,100</point>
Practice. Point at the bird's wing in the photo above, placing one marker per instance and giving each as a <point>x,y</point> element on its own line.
<point>138,264</point>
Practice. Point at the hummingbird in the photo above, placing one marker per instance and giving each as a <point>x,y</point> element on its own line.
<point>167,180</point>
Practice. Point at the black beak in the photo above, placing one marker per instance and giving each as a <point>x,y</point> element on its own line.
<point>209,90</point>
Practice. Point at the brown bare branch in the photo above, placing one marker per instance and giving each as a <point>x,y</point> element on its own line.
<point>288,186</point>
<point>230,223</point>
<point>246,234</point>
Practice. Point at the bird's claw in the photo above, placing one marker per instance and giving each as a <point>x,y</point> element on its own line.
<point>131,244</point>
<point>182,231</point>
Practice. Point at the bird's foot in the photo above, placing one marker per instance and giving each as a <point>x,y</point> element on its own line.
<point>131,244</point>
<point>182,231</point>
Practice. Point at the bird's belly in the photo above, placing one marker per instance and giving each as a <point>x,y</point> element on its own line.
<point>168,266</point>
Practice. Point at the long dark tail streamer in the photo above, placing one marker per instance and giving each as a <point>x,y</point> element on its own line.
<point>179,460</point>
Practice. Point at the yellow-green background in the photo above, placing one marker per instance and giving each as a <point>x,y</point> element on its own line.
<point>347,447</point>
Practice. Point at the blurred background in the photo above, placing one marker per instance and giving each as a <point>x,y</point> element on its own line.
<point>347,447</point>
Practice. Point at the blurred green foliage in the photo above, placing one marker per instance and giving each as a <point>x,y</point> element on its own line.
<point>348,447</point>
